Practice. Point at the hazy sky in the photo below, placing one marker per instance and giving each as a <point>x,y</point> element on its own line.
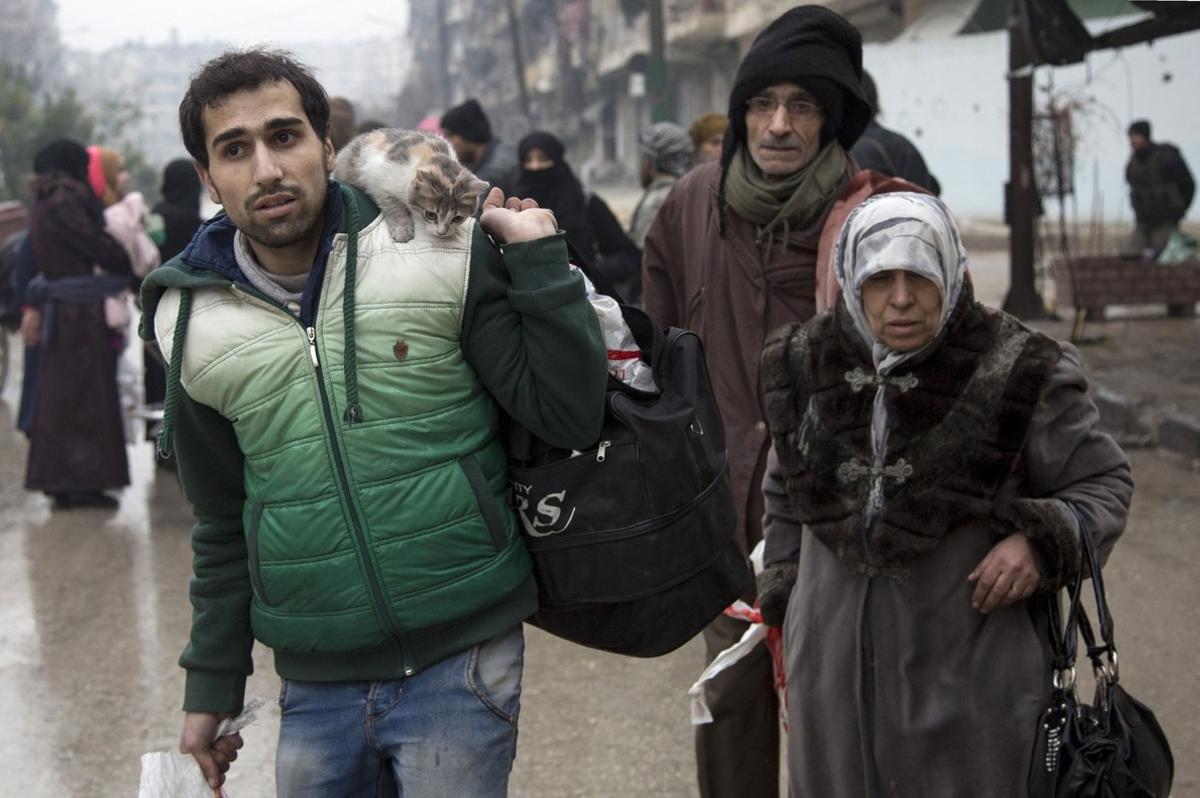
<point>92,25</point>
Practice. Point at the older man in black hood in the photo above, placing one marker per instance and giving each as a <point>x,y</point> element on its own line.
<point>739,249</point>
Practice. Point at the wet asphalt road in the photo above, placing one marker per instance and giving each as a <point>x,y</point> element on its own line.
<point>93,614</point>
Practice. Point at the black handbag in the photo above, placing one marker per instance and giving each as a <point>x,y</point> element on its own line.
<point>632,540</point>
<point>1113,747</point>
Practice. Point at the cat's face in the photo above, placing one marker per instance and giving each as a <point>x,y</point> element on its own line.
<point>442,201</point>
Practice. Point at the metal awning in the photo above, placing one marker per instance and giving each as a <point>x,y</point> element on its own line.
<point>1055,34</point>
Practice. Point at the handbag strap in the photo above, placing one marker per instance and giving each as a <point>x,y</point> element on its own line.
<point>1064,637</point>
<point>1063,640</point>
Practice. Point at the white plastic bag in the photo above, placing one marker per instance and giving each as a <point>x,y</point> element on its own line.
<point>624,356</point>
<point>130,394</point>
<point>177,775</point>
<point>758,632</point>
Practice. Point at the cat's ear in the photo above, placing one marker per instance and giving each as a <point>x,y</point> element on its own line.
<point>476,186</point>
<point>424,179</point>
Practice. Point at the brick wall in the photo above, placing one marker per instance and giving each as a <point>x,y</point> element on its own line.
<point>1098,281</point>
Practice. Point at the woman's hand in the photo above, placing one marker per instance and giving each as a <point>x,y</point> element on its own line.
<point>1007,574</point>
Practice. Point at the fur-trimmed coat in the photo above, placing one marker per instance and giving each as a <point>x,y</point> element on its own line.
<point>897,687</point>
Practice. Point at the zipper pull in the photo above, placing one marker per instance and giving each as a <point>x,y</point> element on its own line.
<point>600,452</point>
<point>312,346</point>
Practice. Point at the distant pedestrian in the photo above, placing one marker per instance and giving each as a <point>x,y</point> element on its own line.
<point>1161,188</point>
<point>932,462</point>
<point>179,206</point>
<point>589,224</point>
<point>666,157</point>
<point>31,333</point>
<point>431,123</point>
<point>371,124</point>
<point>179,210</point>
<point>707,132</point>
<point>469,132</point>
<point>342,126</point>
<point>77,449</point>
<point>887,151</point>
<point>126,215</point>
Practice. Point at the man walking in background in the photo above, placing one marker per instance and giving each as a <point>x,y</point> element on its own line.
<point>666,157</point>
<point>887,151</point>
<point>1161,188</point>
<point>469,132</point>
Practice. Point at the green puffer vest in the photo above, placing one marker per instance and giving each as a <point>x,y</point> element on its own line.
<point>375,483</point>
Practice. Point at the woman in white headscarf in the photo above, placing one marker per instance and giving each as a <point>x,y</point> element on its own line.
<point>932,459</point>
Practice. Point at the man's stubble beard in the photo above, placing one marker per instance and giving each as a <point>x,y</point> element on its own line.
<point>281,236</point>
<point>288,232</point>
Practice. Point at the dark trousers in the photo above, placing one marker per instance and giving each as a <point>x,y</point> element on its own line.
<point>737,755</point>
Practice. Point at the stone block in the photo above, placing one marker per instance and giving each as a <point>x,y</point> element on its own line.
<point>1181,434</point>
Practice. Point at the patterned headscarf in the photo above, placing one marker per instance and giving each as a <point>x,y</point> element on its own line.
<point>901,230</point>
<point>669,146</point>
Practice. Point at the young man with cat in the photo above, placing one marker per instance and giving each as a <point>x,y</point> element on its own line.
<point>333,400</point>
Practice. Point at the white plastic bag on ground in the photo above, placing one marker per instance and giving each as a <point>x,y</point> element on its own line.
<point>177,775</point>
<point>758,632</point>
<point>624,356</point>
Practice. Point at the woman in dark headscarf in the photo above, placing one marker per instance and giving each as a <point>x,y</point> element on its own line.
<point>590,226</point>
<point>180,212</point>
<point>180,206</point>
<point>77,445</point>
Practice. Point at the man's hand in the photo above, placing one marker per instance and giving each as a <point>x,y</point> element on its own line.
<point>1007,574</point>
<point>31,326</point>
<point>515,219</point>
<point>212,755</point>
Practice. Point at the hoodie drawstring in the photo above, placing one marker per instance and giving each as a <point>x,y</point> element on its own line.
<point>353,410</point>
<point>166,435</point>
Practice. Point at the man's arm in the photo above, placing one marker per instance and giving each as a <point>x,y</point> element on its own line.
<point>217,657</point>
<point>530,333</point>
<point>1177,171</point>
<point>659,292</point>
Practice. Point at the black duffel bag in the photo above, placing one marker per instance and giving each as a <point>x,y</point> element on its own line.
<point>633,540</point>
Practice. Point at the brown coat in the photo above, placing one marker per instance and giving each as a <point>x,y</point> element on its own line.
<point>721,289</point>
<point>78,440</point>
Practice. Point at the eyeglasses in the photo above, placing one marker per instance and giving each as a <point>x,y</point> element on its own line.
<point>796,109</point>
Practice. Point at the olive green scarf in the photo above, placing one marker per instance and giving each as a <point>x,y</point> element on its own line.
<point>784,206</point>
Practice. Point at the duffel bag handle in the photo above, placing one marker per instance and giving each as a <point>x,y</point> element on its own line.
<point>599,281</point>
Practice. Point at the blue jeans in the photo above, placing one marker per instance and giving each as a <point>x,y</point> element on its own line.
<point>450,730</point>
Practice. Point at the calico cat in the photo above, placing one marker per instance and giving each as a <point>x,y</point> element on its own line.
<point>410,174</point>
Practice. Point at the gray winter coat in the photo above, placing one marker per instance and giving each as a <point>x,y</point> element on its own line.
<point>904,690</point>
